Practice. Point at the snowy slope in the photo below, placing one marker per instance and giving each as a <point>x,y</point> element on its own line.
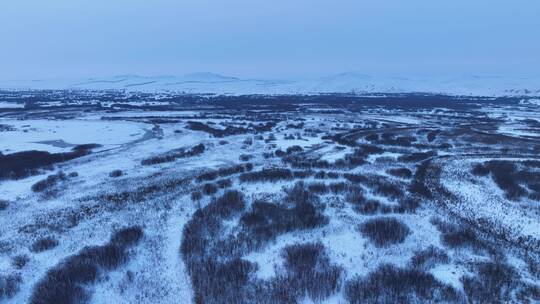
<point>340,83</point>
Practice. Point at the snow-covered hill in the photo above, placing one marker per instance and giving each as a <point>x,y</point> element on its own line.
<point>340,83</point>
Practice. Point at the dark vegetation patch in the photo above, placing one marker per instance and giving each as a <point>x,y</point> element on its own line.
<point>19,261</point>
<point>293,149</point>
<point>326,175</point>
<point>265,221</point>
<point>494,283</point>
<point>6,128</point>
<point>355,196</point>
<point>173,155</point>
<point>23,164</point>
<point>384,187</point>
<point>9,285</point>
<point>303,162</point>
<point>43,244</point>
<point>383,232</point>
<point>209,189</point>
<point>318,188</point>
<point>196,196</point>
<point>230,129</point>
<point>49,184</point>
<point>400,172</point>
<point>309,272</point>
<point>67,282</point>
<point>432,135</point>
<point>418,186</point>
<point>390,139</point>
<point>225,172</point>
<point>267,175</point>
<point>511,176</point>
<point>3,204</point>
<point>139,194</point>
<point>355,178</point>
<point>458,236</point>
<point>213,280</point>
<point>116,173</point>
<point>224,183</point>
<point>302,173</point>
<point>362,205</point>
<point>219,275</point>
<point>429,258</point>
<point>389,284</point>
<point>86,147</point>
<point>245,157</point>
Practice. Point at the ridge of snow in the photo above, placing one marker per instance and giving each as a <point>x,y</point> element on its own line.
<point>348,82</point>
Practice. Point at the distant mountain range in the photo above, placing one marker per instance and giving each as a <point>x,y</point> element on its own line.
<point>340,83</point>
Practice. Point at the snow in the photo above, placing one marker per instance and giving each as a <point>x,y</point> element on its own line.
<point>11,105</point>
<point>341,83</point>
<point>159,273</point>
<point>62,135</point>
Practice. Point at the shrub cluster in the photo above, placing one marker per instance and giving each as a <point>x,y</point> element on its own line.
<point>267,175</point>
<point>400,172</point>
<point>389,284</point>
<point>224,172</point>
<point>49,183</point>
<point>173,155</point>
<point>309,273</point>
<point>228,131</point>
<point>67,282</point>
<point>494,283</point>
<point>213,281</point>
<point>116,173</point>
<point>294,149</point>
<point>383,232</point>
<point>458,236</point>
<point>3,204</point>
<point>302,162</point>
<point>23,164</point>
<point>510,178</point>
<point>9,285</point>
<point>428,258</point>
<point>43,244</point>
<point>265,221</point>
<point>217,273</point>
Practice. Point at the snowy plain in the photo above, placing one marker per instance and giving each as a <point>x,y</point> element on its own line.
<point>414,164</point>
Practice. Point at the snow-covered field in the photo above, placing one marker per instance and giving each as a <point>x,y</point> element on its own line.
<point>471,85</point>
<point>305,199</point>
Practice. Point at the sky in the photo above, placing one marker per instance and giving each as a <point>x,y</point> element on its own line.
<point>268,39</point>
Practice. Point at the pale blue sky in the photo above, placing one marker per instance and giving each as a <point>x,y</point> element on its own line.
<point>277,38</point>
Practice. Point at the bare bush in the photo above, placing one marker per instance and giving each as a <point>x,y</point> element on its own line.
<point>19,261</point>
<point>400,172</point>
<point>209,189</point>
<point>3,204</point>
<point>116,173</point>
<point>389,284</point>
<point>383,232</point>
<point>494,283</point>
<point>173,155</point>
<point>9,285</point>
<point>309,271</point>
<point>225,172</point>
<point>22,164</point>
<point>267,175</point>
<point>67,282</point>
<point>43,244</point>
<point>428,258</point>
